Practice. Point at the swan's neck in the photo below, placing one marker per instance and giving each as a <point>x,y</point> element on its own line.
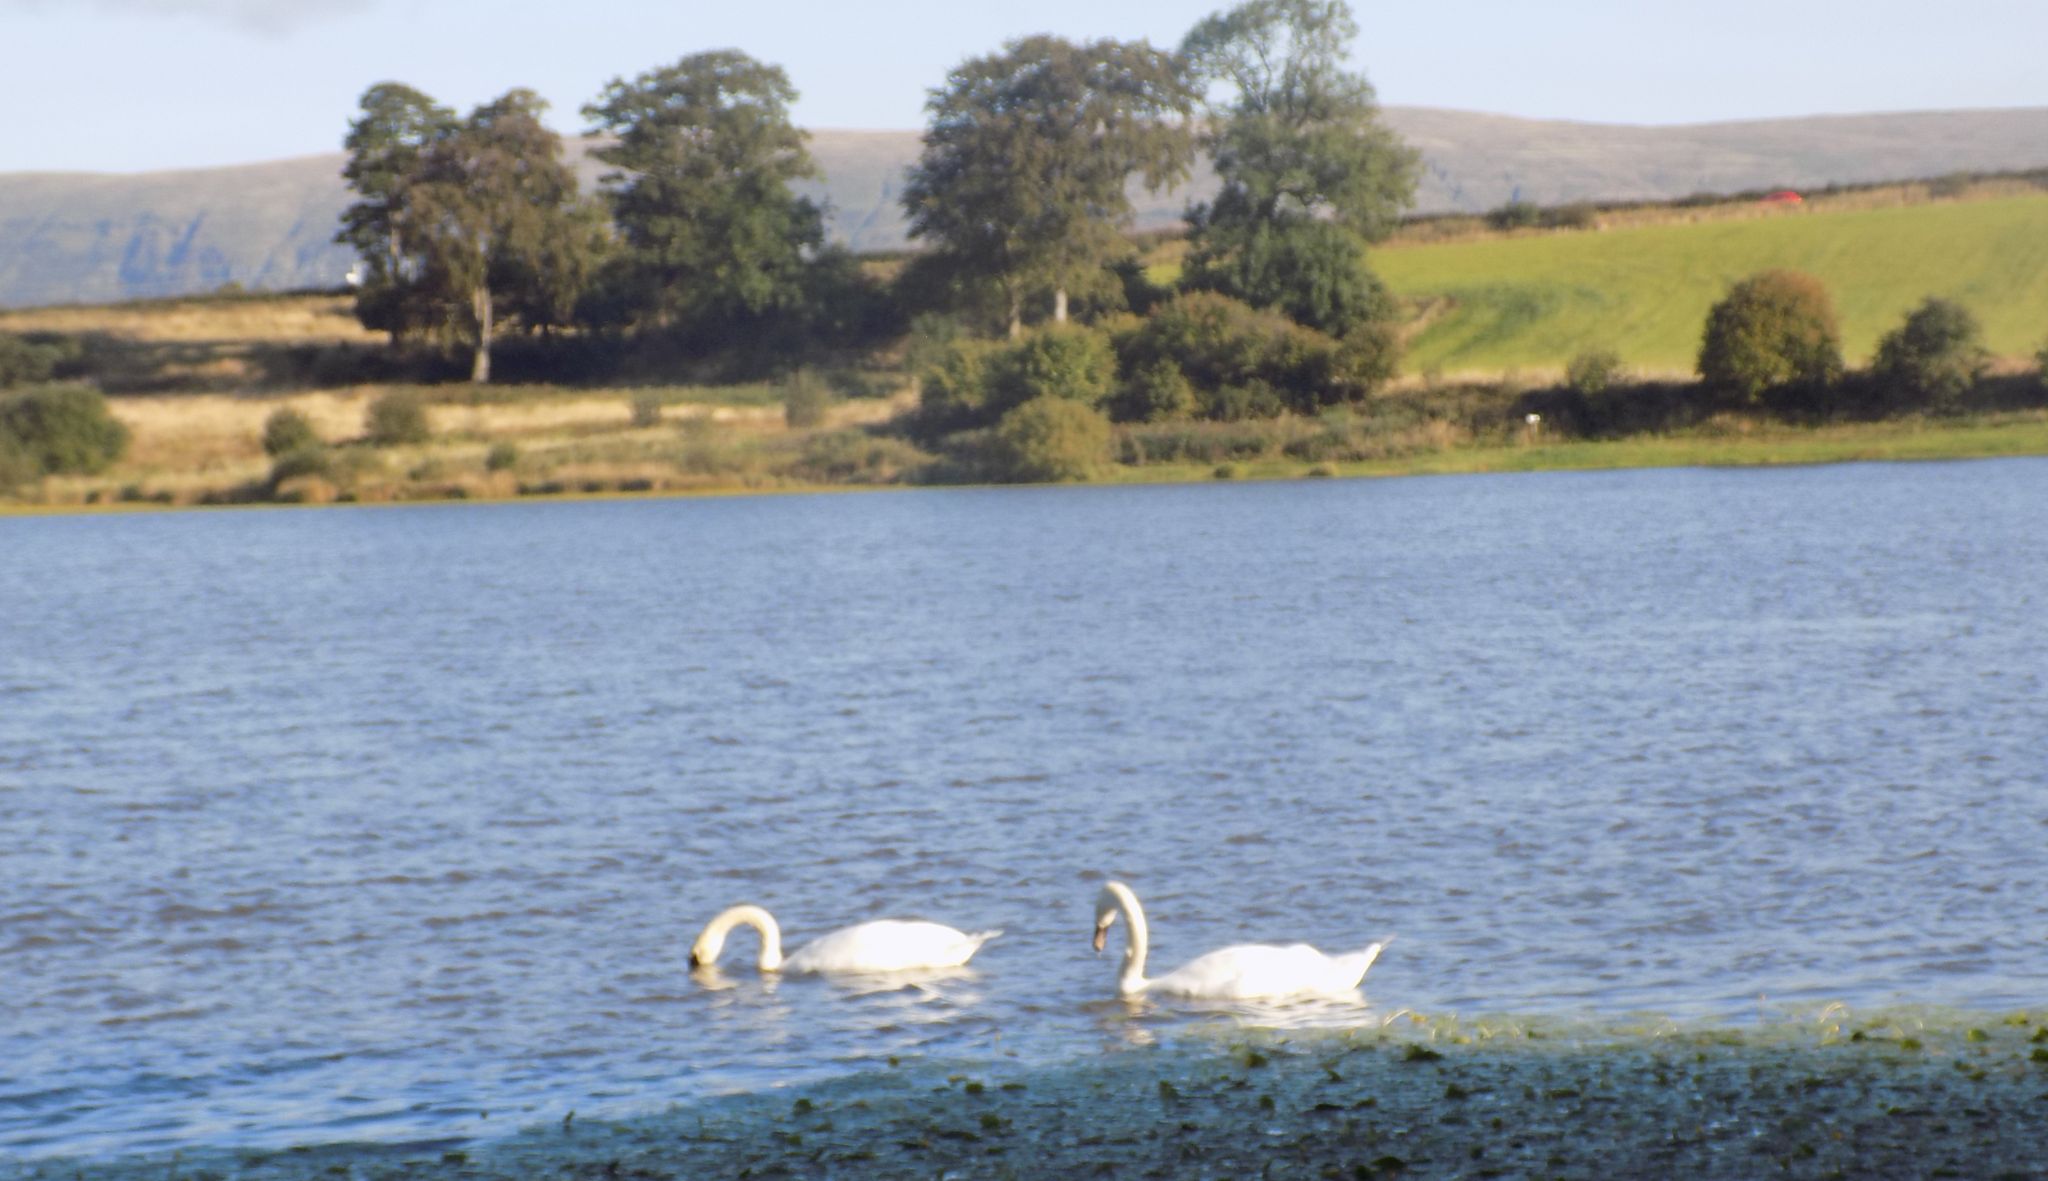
<point>1130,977</point>
<point>712,941</point>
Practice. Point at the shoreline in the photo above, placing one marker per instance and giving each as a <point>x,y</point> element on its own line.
<point>1833,1095</point>
<point>2009,436</point>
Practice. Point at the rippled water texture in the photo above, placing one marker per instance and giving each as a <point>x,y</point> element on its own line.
<point>396,823</point>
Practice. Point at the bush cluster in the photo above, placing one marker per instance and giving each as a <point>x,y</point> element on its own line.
<point>54,430</point>
<point>1048,439</point>
<point>1592,373</point>
<point>396,419</point>
<point>286,431</point>
<point>1223,360</point>
<point>1199,355</point>
<point>970,384</point>
<point>30,360</point>
<point>805,400</point>
<point>1523,215</point>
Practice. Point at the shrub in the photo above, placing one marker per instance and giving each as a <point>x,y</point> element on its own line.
<point>1049,438</point>
<point>856,457</point>
<point>1775,328</point>
<point>966,384</point>
<point>287,430</point>
<point>306,461</point>
<point>1061,361</point>
<point>17,467</point>
<point>395,419</point>
<point>952,383</point>
<point>61,428</point>
<point>1243,363</point>
<point>1515,215</point>
<point>1576,216</point>
<point>1593,372</point>
<point>1241,403</point>
<point>1936,355</point>
<point>501,456</point>
<point>1156,393</point>
<point>1368,357</point>
<point>646,410</point>
<point>24,361</point>
<point>805,399</point>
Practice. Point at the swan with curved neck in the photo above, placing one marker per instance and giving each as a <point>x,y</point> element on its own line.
<point>885,945</point>
<point>1248,971</point>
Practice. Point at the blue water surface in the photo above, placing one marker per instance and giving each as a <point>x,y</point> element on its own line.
<point>391,823</point>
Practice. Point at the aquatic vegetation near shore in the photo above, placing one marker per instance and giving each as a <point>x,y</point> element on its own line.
<point>1893,1093</point>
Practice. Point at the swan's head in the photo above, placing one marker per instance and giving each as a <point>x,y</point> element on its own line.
<point>1108,905</point>
<point>705,951</point>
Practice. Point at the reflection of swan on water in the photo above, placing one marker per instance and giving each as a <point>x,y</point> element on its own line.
<point>886,945</point>
<point>1250,971</point>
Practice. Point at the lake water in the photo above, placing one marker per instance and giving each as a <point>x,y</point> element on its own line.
<point>397,823</point>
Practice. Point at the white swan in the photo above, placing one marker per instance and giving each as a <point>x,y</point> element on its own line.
<point>1248,971</point>
<point>886,945</point>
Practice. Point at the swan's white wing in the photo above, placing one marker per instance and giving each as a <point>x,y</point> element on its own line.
<point>887,945</point>
<point>1256,971</point>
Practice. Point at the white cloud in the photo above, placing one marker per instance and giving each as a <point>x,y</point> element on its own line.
<point>262,16</point>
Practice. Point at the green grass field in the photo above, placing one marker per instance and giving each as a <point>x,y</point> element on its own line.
<point>1533,302</point>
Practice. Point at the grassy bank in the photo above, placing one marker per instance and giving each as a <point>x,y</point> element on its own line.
<point>1726,444</point>
<point>197,451</point>
<point>1831,1096</point>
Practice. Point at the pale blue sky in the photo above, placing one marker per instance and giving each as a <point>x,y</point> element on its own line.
<point>121,85</point>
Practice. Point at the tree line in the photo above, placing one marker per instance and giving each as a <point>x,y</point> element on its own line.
<point>472,226</point>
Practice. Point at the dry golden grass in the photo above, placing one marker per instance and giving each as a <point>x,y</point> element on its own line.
<point>290,319</point>
<point>186,448</point>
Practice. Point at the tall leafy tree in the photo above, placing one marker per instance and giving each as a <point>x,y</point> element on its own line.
<point>387,143</point>
<point>1022,181</point>
<point>706,154</point>
<point>497,216</point>
<point>1307,172</point>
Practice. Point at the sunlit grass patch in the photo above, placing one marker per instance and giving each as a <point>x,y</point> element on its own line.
<point>1643,292</point>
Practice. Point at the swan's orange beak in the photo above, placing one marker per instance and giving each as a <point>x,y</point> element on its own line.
<point>1101,935</point>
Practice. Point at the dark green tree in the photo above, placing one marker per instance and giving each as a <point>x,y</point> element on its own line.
<point>1022,184</point>
<point>497,220</point>
<point>387,144</point>
<point>1935,356</point>
<point>706,154</point>
<point>1307,173</point>
<point>1775,328</point>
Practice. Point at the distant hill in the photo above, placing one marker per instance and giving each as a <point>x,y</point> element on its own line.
<point>86,237</point>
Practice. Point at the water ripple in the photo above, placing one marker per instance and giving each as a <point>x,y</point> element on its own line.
<point>368,823</point>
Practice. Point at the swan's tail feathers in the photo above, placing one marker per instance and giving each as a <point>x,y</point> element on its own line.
<point>977,938</point>
<point>1356,963</point>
